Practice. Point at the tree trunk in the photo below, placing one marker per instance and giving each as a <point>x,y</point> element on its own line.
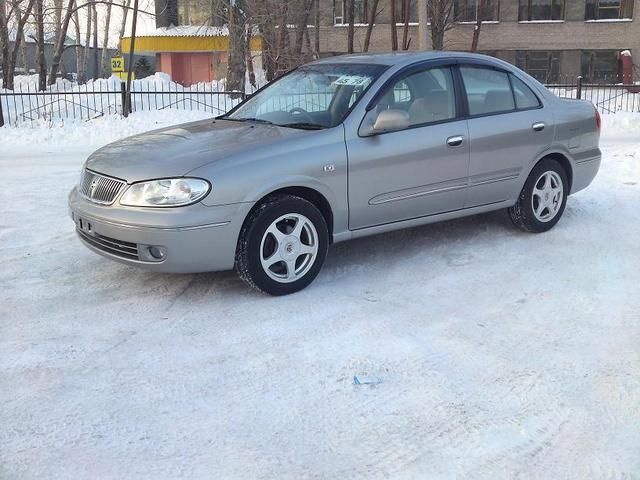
<point>105,42</point>
<point>23,56</point>
<point>250,70</point>
<point>406,11</point>
<point>301,27</point>
<point>125,11</point>
<point>481,5</point>
<point>351,29</point>
<point>4,39</point>
<point>78,48</point>
<point>316,24</point>
<point>394,30</point>
<point>236,66</point>
<point>96,64</point>
<point>41,62</point>
<point>86,49</point>
<point>372,20</point>
<point>59,47</point>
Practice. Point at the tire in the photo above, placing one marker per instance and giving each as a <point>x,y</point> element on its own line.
<point>282,245</point>
<point>542,199</point>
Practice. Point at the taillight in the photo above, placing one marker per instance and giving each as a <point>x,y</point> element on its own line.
<point>598,120</point>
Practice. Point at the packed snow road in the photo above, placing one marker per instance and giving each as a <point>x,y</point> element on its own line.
<point>501,354</point>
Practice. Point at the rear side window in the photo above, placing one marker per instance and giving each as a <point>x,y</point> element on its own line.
<point>488,90</point>
<point>525,98</point>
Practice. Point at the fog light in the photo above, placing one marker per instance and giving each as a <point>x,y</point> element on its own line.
<point>157,252</point>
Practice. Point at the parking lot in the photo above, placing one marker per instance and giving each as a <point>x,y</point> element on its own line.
<point>500,353</point>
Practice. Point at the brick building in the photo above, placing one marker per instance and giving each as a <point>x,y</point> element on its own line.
<point>548,38</point>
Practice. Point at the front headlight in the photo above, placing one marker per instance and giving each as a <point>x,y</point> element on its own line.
<point>169,192</point>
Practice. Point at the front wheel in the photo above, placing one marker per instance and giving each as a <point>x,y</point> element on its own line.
<point>282,246</point>
<point>542,199</point>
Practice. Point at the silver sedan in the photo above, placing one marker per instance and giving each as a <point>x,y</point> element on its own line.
<point>337,149</point>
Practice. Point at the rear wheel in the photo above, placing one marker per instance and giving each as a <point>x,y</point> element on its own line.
<point>542,199</point>
<point>282,245</point>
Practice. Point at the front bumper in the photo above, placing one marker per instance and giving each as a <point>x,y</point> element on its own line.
<point>193,239</point>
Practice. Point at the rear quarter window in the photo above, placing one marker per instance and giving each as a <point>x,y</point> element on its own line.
<point>525,98</point>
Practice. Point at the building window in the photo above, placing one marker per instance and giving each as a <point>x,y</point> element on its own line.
<point>608,9</point>
<point>468,10</point>
<point>341,12</point>
<point>532,10</point>
<point>600,66</point>
<point>544,66</point>
<point>401,7</point>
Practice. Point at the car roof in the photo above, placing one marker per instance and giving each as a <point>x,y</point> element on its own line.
<point>402,58</point>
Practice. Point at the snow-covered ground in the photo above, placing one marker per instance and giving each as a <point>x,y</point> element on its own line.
<point>502,354</point>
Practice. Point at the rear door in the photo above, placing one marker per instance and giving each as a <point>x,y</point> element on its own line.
<point>508,130</point>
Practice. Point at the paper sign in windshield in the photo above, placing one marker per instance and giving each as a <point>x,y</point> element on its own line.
<point>353,80</point>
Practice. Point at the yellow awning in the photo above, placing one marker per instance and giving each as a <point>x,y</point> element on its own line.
<point>182,44</point>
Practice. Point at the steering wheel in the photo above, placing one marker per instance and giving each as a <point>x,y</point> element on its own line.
<point>303,112</point>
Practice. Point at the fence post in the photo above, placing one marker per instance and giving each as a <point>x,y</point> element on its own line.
<point>123,96</point>
<point>579,88</point>
<point>1,115</point>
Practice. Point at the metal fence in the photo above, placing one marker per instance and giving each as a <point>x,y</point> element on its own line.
<point>65,101</point>
<point>607,97</point>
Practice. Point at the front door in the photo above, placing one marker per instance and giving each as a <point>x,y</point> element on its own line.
<point>417,171</point>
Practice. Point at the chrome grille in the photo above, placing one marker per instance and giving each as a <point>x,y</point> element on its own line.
<point>99,188</point>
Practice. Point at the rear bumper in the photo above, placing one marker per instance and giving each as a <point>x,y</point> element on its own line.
<point>584,171</point>
<point>193,239</point>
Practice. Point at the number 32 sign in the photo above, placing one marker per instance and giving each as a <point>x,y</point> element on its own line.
<point>117,64</point>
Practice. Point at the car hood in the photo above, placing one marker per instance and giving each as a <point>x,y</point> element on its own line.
<point>174,151</point>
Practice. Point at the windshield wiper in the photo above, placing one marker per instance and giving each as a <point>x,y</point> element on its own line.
<point>247,119</point>
<point>304,125</point>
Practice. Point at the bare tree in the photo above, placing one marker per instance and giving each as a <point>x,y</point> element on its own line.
<point>21,12</point>
<point>316,24</point>
<point>236,66</point>
<point>394,29</point>
<point>125,10</point>
<point>351,14</point>
<point>58,49</point>
<point>442,20</point>
<point>96,70</point>
<point>373,13</point>
<point>105,41</point>
<point>406,15</point>
<point>481,11</point>
<point>41,62</point>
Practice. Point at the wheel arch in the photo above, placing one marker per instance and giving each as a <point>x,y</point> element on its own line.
<point>310,194</point>
<point>562,159</point>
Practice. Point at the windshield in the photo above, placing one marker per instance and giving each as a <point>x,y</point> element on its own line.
<point>311,97</point>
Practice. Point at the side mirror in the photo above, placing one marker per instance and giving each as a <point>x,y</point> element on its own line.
<point>386,121</point>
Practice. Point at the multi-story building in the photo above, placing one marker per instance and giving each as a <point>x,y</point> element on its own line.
<point>547,38</point>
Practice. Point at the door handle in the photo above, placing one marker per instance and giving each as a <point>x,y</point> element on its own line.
<point>455,141</point>
<point>538,126</point>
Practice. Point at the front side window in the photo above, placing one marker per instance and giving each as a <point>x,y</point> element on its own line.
<point>470,10</point>
<point>542,65</point>
<point>312,97</point>
<point>427,96</point>
<point>488,91</point>
<point>536,10</point>
<point>608,9</point>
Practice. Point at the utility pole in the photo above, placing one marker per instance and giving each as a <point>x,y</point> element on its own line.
<point>127,99</point>
<point>424,42</point>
